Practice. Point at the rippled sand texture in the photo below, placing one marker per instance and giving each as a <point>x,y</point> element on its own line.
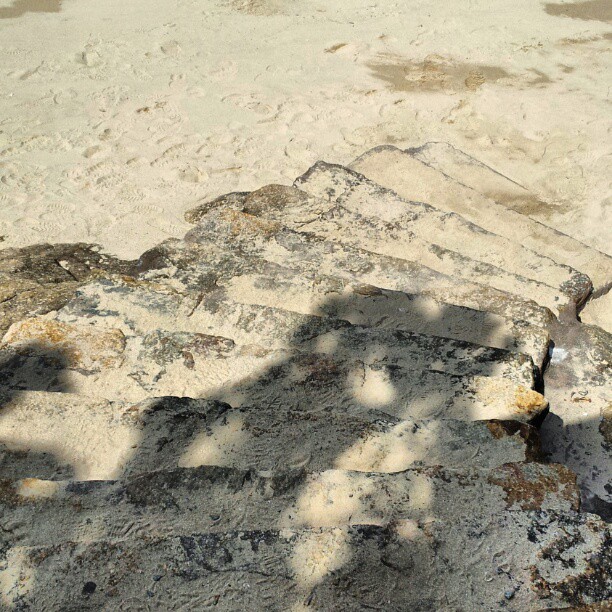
<point>117,117</point>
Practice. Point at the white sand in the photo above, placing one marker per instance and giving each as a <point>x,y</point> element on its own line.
<point>117,116</point>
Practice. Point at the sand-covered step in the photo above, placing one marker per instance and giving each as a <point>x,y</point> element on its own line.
<point>274,328</point>
<point>115,430</point>
<point>320,382</point>
<point>415,175</point>
<point>514,561</point>
<point>69,436</point>
<point>314,255</point>
<point>376,307</point>
<point>211,277</point>
<point>349,367</point>
<point>335,221</point>
<point>359,195</point>
<point>494,185</point>
<point>217,499</point>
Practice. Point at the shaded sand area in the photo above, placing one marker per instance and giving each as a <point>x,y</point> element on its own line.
<point>115,118</point>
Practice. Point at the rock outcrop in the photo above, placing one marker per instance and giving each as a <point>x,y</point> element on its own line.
<point>327,396</point>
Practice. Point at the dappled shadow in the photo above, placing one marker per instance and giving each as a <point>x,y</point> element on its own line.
<point>342,420</point>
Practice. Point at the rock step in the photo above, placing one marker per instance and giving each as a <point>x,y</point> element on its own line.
<point>494,185</point>
<point>294,209</point>
<point>41,278</point>
<point>116,439</point>
<point>194,365</point>
<point>88,358</point>
<point>251,280</point>
<point>310,254</point>
<point>346,190</point>
<point>217,499</point>
<point>111,304</point>
<point>419,174</point>
<point>401,567</point>
<point>307,383</point>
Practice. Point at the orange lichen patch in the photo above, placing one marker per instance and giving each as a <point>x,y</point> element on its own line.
<point>503,429</point>
<point>81,346</point>
<point>527,485</point>
<point>243,223</point>
<point>529,401</point>
<point>273,197</point>
<point>34,489</point>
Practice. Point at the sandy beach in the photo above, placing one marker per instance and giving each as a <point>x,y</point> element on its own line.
<point>115,118</point>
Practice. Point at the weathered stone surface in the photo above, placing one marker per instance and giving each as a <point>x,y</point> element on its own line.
<point>233,281</point>
<point>37,438</point>
<point>402,567</point>
<point>218,499</point>
<point>37,279</point>
<point>409,175</point>
<point>339,392</point>
<point>307,253</point>
<point>419,228</point>
<point>83,347</point>
<point>579,386</point>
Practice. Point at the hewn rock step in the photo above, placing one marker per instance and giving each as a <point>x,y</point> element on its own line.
<point>110,304</point>
<point>194,365</point>
<point>87,357</point>
<point>356,202</point>
<point>295,209</point>
<point>418,174</point>
<point>310,254</point>
<point>217,499</point>
<point>116,438</point>
<point>248,279</point>
<point>375,307</point>
<point>494,185</point>
<point>402,567</point>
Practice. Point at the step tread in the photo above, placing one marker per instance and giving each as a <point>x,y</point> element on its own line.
<point>352,191</point>
<point>118,438</point>
<point>401,567</point>
<point>218,499</point>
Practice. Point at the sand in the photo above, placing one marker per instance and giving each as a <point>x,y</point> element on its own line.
<point>117,117</point>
